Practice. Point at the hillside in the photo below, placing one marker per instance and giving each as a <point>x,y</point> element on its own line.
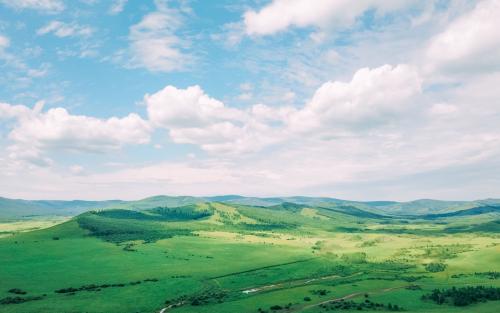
<point>215,256</point>
<point>17,208</point>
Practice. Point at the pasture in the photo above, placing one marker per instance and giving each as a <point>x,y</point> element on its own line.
<point>217,257</point>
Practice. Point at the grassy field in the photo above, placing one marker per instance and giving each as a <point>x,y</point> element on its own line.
<point>220,257</point>
<point>12,227</point>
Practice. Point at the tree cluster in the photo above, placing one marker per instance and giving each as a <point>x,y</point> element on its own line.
<point>464,295</point>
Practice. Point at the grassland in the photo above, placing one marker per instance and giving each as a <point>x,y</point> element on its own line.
<point>228,257</point>
<point>12,227</point>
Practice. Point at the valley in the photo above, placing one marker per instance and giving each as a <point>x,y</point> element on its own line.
<point>312,255</point>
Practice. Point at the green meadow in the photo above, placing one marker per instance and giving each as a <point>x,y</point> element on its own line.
<point>223,256</point>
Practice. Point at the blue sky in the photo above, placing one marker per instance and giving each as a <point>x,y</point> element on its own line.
<point>380,99</point>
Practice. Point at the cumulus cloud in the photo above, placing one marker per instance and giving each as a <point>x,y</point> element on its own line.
<point>279,15</point>
<point>371,97</point>
<point>154,43</point>
<point>49,6</point>
<point>61,29</point>
<point>58,129</point>
<point>191,116</point>
<point>8,111</point>
<point>36,132</point>
<point>453,136</point>
<point>470,43</point>
<point>190,107</point>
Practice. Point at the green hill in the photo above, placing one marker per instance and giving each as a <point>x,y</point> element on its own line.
<point>17,208</point>
<point>189,255</point>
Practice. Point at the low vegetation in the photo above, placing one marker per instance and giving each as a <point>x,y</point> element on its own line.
<point>225,258</point>
<point>463,296</point>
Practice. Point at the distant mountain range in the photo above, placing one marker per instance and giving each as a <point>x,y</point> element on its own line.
<point>424,208</point>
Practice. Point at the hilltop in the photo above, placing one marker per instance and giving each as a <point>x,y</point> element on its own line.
<point>18,208</point>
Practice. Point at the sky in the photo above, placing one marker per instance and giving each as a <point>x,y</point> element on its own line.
<point>361,100</point>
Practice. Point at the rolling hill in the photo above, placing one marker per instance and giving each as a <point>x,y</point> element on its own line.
<point>17,208</point>
<point>187,254</point>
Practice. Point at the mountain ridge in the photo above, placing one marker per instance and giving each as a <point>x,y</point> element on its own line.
<point>18,208</point>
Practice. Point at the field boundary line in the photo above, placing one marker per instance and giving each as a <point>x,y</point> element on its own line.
<point>260,268</point>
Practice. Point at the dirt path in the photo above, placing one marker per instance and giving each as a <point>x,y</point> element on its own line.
<point>349,296</point>
<point>174,305</point>
<point>293,283</point>
<point>281,285</point>
<point>301,282</point>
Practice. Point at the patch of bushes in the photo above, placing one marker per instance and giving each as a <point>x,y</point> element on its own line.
<point>18,300</point>
<point>17,291</point>
<point>276,307</point>
<point>354,258</point>
<point>189,212</point>
<point>367,305</point>
<point>151,280</point>
<point>213,296</point>
<point>268,226</point>
<point>413,287</point>
<point>435,267</point>
<point>463,296</point>
<point>129,247</point>
<point>208,297</point>
<point>489,275</point>
<point>320,292</point>
<point>443,252</point>
<point>94,287</point>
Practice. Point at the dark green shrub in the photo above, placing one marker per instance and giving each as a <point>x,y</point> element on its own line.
<point>435,267</point>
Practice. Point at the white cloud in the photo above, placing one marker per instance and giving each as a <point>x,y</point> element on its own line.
<point>246,86</point>
<point>58,129</point>
<point>190,107</point>
<point>371,97</point>
<point>8,111</point>
<point>246,92</point>
<point>470,43</point>
<point>266,113</point>
<point>461,135</point>
<point>279,15</point>
<point>61,29</point>
<point>331,56</point>
<point>230,35</point>
<point>19,73</point>
<point>49,6</point>
<point>442,109</point>
<point>4,42</point>
<point>36,132</point>
<point>246,96</point>
<point>77,169</point>
<point>9,58</point>
<point>39,72</point>
<point>193,117</point>
<point>117,6</point>
<point>154,43</point>
<point>349,131</point>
